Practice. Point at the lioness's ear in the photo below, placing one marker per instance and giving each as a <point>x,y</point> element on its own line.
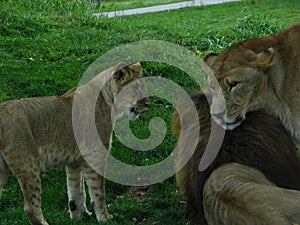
<point>208,61</point>
<point>264,58</point>
<point>209,58</point>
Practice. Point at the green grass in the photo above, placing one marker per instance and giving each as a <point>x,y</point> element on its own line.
<point>47,45</point>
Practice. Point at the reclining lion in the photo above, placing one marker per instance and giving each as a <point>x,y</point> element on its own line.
<point>236,194</point>
<point>261,143</point>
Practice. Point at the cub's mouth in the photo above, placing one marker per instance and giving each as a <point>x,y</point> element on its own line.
<point>135,112</point>
<point>140,108</point>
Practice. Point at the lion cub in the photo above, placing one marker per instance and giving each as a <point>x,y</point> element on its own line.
<point>37,133</point>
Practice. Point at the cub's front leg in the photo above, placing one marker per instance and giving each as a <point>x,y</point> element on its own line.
<point>76,193</point>
<point>96,186</point>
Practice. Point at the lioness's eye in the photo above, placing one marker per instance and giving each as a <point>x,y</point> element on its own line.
<point>233,85</point>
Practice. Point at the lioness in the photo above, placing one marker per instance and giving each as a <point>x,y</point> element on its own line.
<point>261,142</point>
<point>260,73</point>
<point>36,133</point>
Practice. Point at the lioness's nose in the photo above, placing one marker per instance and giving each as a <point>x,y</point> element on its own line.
<point>219,115</point>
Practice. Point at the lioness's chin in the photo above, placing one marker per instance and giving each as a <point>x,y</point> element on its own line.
<point>232,125</point>
<point>229,124</point>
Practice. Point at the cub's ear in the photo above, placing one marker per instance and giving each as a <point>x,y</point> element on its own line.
<point>122,73</point>
<point>136,69</point>
<point>264,58</point>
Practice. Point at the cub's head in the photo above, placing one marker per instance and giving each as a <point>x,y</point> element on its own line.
<point>130,94</point>
<point>238,77</point>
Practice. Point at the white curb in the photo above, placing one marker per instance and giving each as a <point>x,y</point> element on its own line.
<point>160,8</point>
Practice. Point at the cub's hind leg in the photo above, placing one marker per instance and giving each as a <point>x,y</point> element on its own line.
<point>76,192</point>
<point>3,174</point>
<point>24,162</point>
<point>96,186</point>
<point>32,191</point>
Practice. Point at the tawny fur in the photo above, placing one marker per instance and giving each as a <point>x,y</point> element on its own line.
<point>37,133</point>
<point>260,73</point>
<point>261,142</point>
<point>236,194</point>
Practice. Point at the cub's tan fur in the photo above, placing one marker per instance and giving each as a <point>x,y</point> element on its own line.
<point>37,133</point>
<point>261,73</point>
<point>261,143</point>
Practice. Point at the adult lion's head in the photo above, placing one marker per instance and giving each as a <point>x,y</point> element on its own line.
<point>238,77</point>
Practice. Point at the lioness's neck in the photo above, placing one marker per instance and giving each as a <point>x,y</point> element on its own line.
<point>275,93</point>
<point>276,77</point>
<point>279,108</point>
<point>283,97</point>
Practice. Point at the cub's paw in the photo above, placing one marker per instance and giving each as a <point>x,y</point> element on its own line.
<point>77,211</point>
<point>104,217</point>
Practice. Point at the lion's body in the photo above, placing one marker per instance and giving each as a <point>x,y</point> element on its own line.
<point>37,133</point>
<point>261,142</point>
<point>236,194</point>
<point>260,73</point>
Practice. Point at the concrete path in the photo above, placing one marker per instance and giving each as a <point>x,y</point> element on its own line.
<point>160,8</point>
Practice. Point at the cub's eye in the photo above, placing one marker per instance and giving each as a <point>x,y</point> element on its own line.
<point>233,85</point>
